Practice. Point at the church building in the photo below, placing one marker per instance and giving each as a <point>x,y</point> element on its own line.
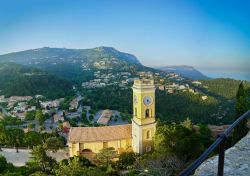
<point>138,136</point>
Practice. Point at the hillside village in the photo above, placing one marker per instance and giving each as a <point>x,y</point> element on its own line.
<point>124,88</point>
<point>60,114</point>
<point>102,99</point>
<point>53,106</point>
<point>122,79</point>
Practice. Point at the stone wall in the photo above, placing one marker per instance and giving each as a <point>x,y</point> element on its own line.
<point>237,161</point>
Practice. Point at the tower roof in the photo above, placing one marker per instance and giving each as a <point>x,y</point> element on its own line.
<point>143,84</point>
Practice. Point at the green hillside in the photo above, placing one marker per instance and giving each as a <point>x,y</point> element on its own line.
<point>19,80</point>
<point>78,65</point>
<point>217,109</point>
<point>224,86</point>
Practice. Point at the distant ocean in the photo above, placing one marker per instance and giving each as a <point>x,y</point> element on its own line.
<point>226,73</point>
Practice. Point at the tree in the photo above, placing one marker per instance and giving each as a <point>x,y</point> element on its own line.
<point>160,164</point>
<point>30,115</point>
<point>14,137</point>
<point>241,107</point>
<point>32,138</point>
<point>106,156</point>
<point>46,116</point>
<point>42,127</point>
<point>3,163</point>
<point>31,126</point>
<point>84,115</point>
<point>54,144</point>
<point>46,135</point>
<point>74,168</point>
<point>84,162</point>
<point>2,135</point>
<point>205,135</point>
<point>178,140</point>
<point>42,160</point>
<point>165,138</point>
<point>111,171</point>
<point>91,117</point>
<point>126,159</point>
<point>40,116</point>
<point>189,147</point>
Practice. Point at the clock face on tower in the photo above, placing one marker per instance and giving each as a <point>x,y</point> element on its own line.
<point>147,100</point>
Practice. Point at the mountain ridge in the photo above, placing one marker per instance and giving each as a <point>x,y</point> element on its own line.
<point>76,65</point>
<point>78,62</point>
<point>130,57</point>
<point>184,70</point>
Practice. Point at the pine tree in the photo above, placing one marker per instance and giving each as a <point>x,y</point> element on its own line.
<point>240,108</point>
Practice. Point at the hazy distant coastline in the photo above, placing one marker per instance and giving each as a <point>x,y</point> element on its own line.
<point>235,73</point>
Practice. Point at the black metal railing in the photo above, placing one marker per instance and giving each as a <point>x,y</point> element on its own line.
<point>220,141</point>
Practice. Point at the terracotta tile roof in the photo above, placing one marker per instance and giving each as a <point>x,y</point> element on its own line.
<point>94,134</point>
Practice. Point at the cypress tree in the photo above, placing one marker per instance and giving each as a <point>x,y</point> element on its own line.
<point>240,108</point>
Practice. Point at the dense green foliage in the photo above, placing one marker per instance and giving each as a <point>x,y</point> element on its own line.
<point>126,159</point>
<point>11,121</point>
<point>84,162</point>
<point>169,107</point>
<point>32,138</point>
<point>3,163</point>
<point>14,137</point>
<point>223,87</point>
<point>241,106</point>
<point>54,144</point>
<point>41,165</point>
<point>74,168</point>
<point>184,142</point>
<point>44,162</point>
<point>40,117</point>
<point>20,80</point>
<point>176,107</point>
<point>30,115</point>
<point>2,135</point>
<point>111,97</point>
<point>176,145</point>
<point>106,156</point>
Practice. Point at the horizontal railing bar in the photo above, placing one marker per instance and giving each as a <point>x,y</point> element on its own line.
<point>212,147</point>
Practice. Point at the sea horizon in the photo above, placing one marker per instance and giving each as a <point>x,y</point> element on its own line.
<point>233,73</point>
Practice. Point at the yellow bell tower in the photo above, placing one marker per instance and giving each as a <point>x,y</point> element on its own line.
<point>143,123</point>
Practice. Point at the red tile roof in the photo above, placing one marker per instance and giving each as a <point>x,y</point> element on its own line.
<point>95,134</point>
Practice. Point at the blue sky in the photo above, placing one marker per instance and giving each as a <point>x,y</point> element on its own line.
<point>171,32</point>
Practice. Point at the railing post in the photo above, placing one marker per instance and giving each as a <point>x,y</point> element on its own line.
<point>221,156</point>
